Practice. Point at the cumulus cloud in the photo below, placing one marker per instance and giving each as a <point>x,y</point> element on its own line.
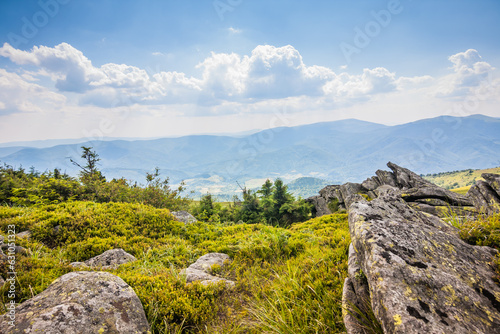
<point>360,87</point>
<point>19,95</point>
<point>229,82</point>
<point>469,71</point>
<point>75,70</point>
<point>269,72</point>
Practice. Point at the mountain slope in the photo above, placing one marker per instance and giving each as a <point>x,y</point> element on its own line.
<point>338,151</point>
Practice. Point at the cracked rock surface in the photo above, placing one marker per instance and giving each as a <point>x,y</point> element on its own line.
<point>81,302</point>
<point>422,278</point>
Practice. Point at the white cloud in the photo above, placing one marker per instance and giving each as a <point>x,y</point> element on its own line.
<point>76,70</point>
<point>270,78</point>
<point>234,30</point>
<point>269,72</point>
<point>468,72</point>
<point>19,95</point>
<point>345,87</point>
<point>414,82</point>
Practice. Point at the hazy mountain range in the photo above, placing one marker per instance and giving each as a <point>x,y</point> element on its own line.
<point>333,152</point>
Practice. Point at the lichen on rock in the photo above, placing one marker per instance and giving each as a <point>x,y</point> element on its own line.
<point>422,277</point>
<point>201,270</point>
<point>81,302</point>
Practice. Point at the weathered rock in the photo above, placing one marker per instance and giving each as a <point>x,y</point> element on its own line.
<point>24,235</point>
<point>110,259</point>
<point>359,282</point>
<point>386,189</point>
<point>353,198</point>
<point>15,249</point>
<point>422,277</point>
<point>485,199</point>
<point>320,206</point>
<point>81,302</point>
<point>201,270</point>
<point>331,192</point>
<point>371,183</point>
<point>184,216</point>
<point>326,195</point>
<point>386,178</point>
<point>78,265</point>
<point>432,201</point>
<point>406,179</point>
<point>206,261</point>
<point>350,300</point>
<point>349,188</point>
<point>427,192</point>
<point>493,180</point>
<point>412,187</point>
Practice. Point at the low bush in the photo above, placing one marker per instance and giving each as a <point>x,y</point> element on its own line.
<point>288,279</point>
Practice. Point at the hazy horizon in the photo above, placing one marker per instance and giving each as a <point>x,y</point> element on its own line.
<point>228,134</point>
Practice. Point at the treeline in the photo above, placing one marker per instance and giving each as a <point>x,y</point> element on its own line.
<point>21,187</point>
<point>273,204</point>
<point>467,171</point>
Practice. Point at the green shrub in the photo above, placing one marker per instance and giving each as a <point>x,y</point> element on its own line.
<point>289,278</point>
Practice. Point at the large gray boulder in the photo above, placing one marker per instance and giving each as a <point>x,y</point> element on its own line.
<point>326,195</point>
<point>81,302</point>
<point>420,193</point>
<point>201,270</point>
<point>485,198</point>
<point>493,181</point>
<point>110,259</point>
<point>386,178</point>
<point>430,194</point>
<point>406,179</point>
<point>184,216</point>
<point>320,206</point>
<point>422,277</point>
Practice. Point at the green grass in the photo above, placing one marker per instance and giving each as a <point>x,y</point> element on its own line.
<point>485,231</point>
<point>461,190</point>
<point>458,180</point>
<point>288,280</point>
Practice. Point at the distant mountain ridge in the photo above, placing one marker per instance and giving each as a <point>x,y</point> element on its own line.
<point>338,152</point>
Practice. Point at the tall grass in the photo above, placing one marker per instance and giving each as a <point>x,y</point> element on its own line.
<point>287,280</point>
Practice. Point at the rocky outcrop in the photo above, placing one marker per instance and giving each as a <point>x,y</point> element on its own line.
<point>326,195</point>
<point>418,192</point>
<point>413,271</point>
<point>81,302</point>
<point>184,216</point>
<point>110,259</point>
<point>486,194</point>
<point>202,269</point>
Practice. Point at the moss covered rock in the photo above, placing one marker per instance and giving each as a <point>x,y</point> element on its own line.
<point>421,276</point>
<point>80,302</point>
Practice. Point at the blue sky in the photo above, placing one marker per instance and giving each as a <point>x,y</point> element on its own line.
<point>72,68</point>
